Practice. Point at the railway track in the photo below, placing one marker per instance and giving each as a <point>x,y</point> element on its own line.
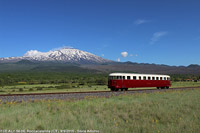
<point>77,95</point>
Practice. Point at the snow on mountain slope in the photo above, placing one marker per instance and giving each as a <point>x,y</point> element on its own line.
<point>62,55</point>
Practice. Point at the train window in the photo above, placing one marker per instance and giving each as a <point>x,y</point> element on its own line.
<point>123,77</point>
<point>134,77</point>
<point>128,77</point>
<point>119,77</point>
<point>164,78</point>
<point>144,78</point>
<point>149,78</point>
<point>153,78</point>
<point>168,78</point>
<point>161,78</point>
<point>157,78</point>
<point>140,77</point>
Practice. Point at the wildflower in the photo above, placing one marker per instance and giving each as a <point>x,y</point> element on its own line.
<point>116,124</point>
<point>126,121</point>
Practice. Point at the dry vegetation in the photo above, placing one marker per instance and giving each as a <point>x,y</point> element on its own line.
<point>172,111</point>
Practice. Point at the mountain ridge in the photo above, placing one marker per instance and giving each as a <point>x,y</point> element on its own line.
<point>64,55</point>
<point>67,58</point>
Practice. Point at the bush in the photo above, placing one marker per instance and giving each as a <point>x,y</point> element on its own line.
<point>21,89</point>
<point>64,86</point>
<point>51,87</point>
<point>39,88</point>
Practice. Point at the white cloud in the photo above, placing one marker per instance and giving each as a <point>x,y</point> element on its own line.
<point>31,53</point>
<point>141,21</point>
<point>157,35</point>
<point>118,59</point>
<point>124,54</point>
<point>131,55</point>
<point>59,48</point>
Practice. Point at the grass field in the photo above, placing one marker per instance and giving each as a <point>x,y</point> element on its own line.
<point>172,111</point>
<point>48,88</point>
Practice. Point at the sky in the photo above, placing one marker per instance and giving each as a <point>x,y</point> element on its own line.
<point>142,31</point>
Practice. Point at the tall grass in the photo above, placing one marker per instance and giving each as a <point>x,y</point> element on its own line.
<point>172,111</point>
<point>48,88</point>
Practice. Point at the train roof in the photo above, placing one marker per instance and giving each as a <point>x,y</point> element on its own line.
<point>136,74</point>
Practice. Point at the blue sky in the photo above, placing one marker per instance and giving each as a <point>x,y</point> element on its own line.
<point>143,31</point>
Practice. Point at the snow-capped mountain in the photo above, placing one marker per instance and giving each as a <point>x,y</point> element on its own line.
<point>62,55</point>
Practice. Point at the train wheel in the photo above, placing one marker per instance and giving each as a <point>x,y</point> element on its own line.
<point>116,89</point>
<point>167,87</point>
<point>158,88</point>
<point>126,89</point>
<point>122,89</point>
<point>112,89</point>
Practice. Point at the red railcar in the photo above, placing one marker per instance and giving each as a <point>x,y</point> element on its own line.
<point>124,81</point>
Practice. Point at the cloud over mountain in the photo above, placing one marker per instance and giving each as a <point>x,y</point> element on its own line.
<point>124,54</point>
<point>31,53</point>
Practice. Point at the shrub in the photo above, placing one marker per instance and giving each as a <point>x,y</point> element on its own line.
<point>39,88</point>
<point>64,86</point>
<point>21,89</point>
<point>51,87</point>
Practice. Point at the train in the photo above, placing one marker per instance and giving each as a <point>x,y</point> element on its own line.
<point>123,81</point>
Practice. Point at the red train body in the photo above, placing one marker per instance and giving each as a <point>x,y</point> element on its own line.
<point>124,81</point>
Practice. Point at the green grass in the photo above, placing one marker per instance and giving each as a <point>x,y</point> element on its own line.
<point>185,84</point>
<point>172,111</point>
<point>50,88</point>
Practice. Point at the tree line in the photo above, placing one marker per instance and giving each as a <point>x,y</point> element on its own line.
<point>15,78</point>
<point>52,78</point>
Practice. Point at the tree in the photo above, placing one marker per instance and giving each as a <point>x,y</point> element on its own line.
<point>1,82</point>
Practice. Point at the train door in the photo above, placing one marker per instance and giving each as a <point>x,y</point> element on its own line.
<point>123,82</point>
<point>119,82</point>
